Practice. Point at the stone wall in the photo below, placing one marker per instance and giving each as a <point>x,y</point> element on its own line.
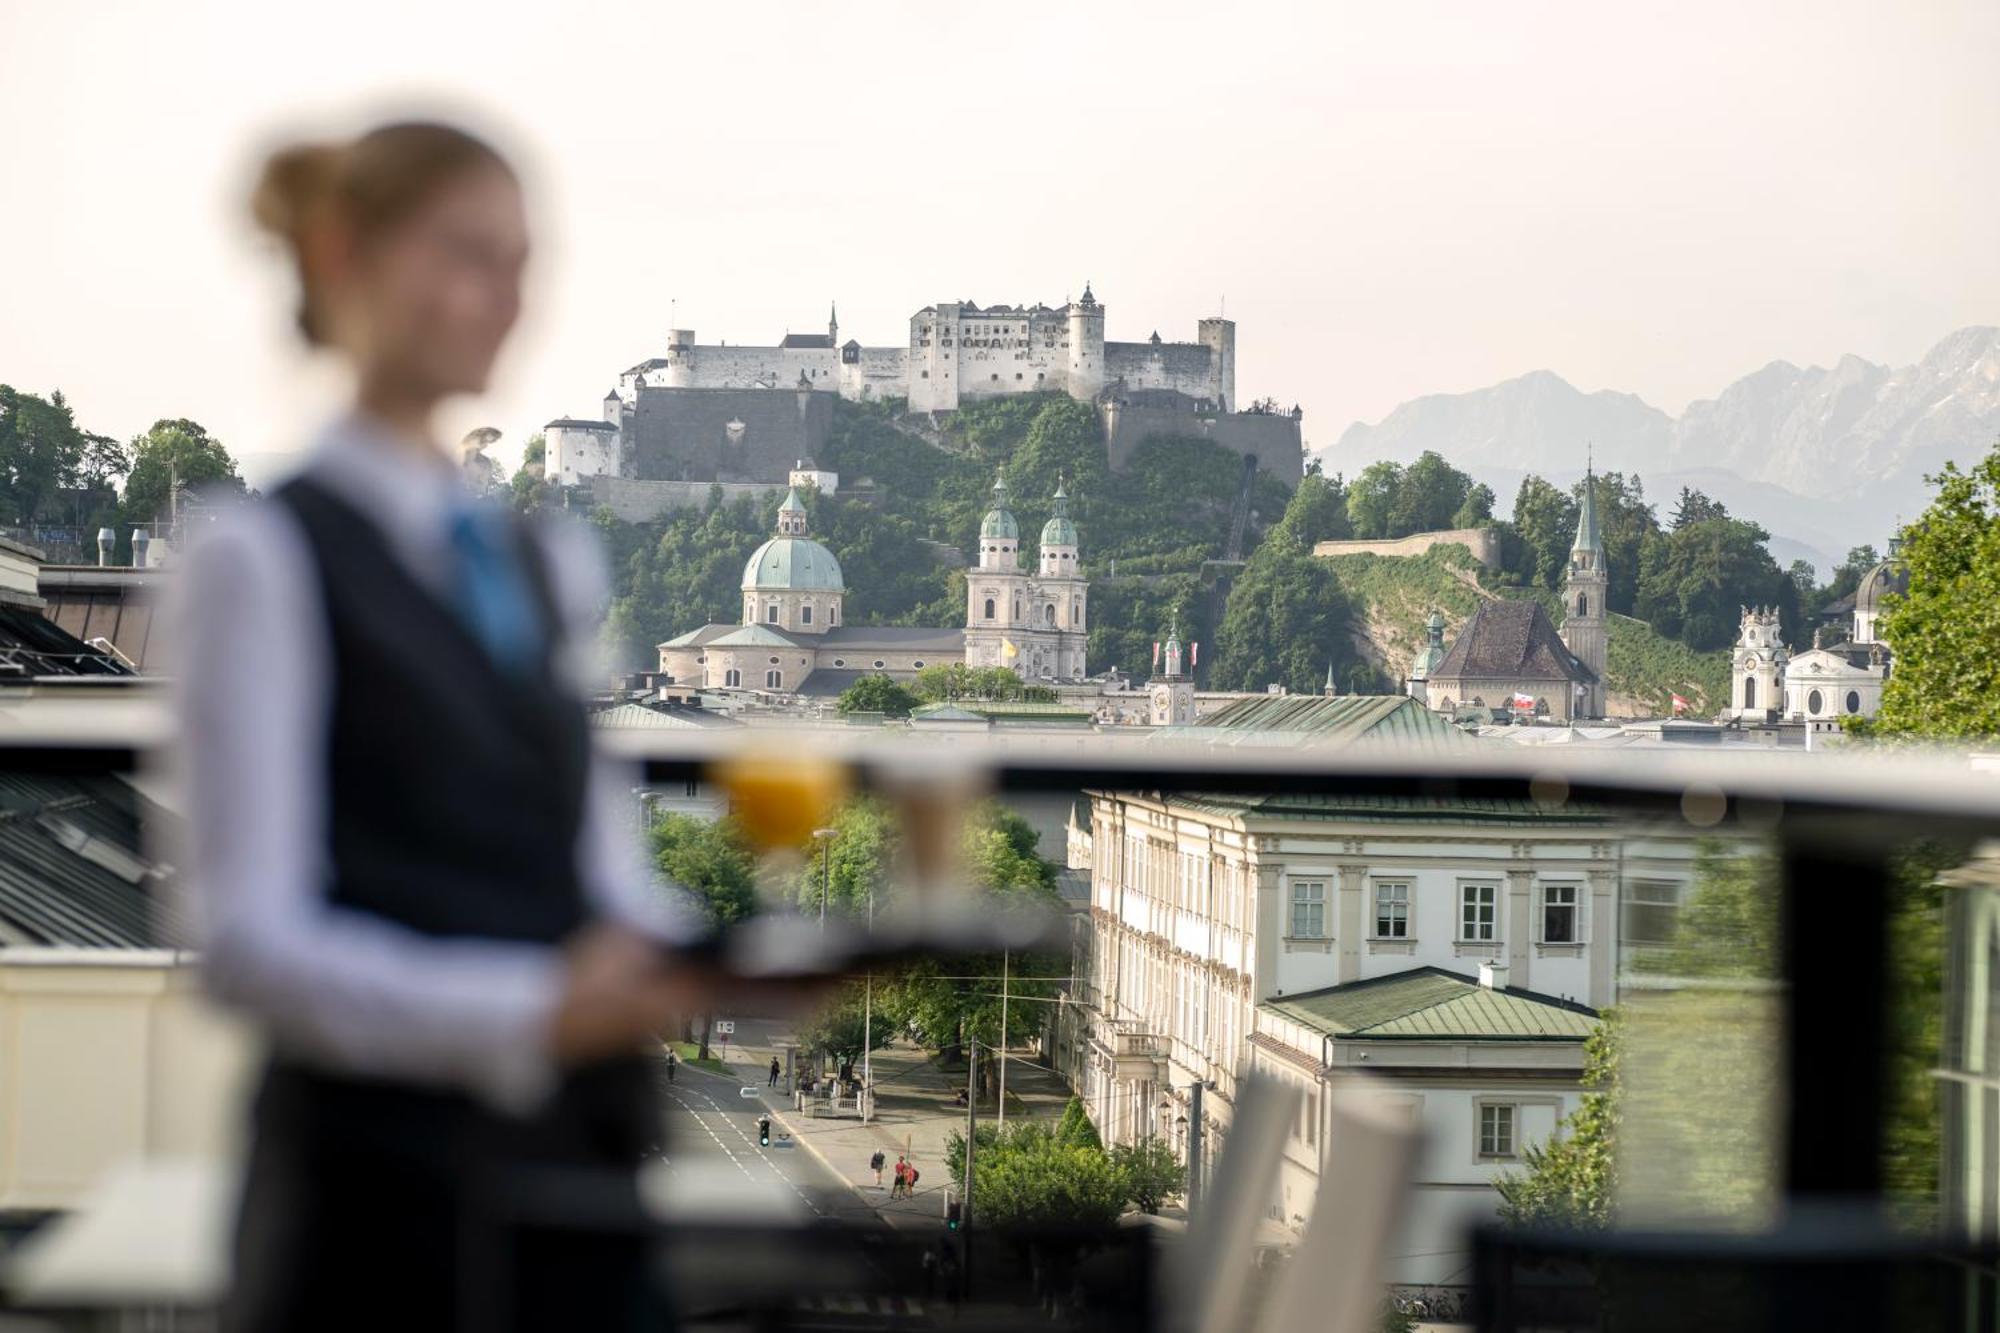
<point>740,435</point>
<point>1484,543</point>
<point>1273,439</point>
<point>637,501</point>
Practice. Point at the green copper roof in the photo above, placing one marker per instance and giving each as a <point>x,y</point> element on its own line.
<point>1059,531</point>
<point>793,564</point>
<point>1586,517</point>
<point>792,502</point>
<point>1429,1003</point>
<point>1347,717</point>
<point>754,636</point>
<point>999,524</point>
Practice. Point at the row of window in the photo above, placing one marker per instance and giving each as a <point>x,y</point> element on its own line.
<point>805,613</point>
<point>733,679</point>
<point>1478,911</point>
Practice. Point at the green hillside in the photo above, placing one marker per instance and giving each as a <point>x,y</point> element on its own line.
<point>1393,596</point>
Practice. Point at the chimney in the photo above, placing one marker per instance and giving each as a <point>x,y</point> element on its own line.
<point>141,539</point>
<point>1493,974</point>
<point>106,539</point>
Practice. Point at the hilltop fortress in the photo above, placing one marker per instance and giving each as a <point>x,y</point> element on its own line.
<point>747,416</point>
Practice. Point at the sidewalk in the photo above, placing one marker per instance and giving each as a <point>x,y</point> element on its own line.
<point>914,1112</point>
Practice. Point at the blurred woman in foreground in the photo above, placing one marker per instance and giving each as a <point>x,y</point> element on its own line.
<point>403,851</point>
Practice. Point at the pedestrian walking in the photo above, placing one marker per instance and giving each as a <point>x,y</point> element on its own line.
<point>673,1064</point>
<point>875,1165</point>
<point>902,1181</point>
<point>774,1071</point>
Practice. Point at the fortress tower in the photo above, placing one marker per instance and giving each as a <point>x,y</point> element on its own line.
<point>680,359</point>
<point>1218,335</point>
<point>1086,347</point>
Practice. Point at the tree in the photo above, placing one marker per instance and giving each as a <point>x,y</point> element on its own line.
<point>1285,620</point>
<point>1545,522</point>
<point>714,865</point>
<point>878,694</point>
<point>1030,1180</point>
<point>43,451</point>
<point>175,452</point>
<point>1371,500</point>
<point>1694,581</point>
<point>1625,525</point>
<point>1075,1128</point>
<point>1572,1179</point>
<point>841,1028</point>
<point>1151,1172</point>
<point>854,864</point>
<point>956,680</point>
<point>1943,630</point>
<point>1695,507</point>
<point>1476,509</point>
<point>1317,512</point>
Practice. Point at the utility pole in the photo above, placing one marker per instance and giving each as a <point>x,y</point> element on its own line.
<point>1194,1149</point>
<point>1001,1119</point>
<point>868,1028</point>
<point>971,1142</point>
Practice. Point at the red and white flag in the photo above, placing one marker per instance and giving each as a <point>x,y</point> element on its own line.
<point>1156,654</point>
<point>1524,703</point>
<point>1680,705</point>
<point>1194,655</point>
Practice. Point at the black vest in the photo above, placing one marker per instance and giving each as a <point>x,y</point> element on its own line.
<point>455,790</point>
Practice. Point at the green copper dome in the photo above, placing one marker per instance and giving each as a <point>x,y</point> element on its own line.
<point>1059,531</point>
<point>793,564</point>
<point>999,524</point>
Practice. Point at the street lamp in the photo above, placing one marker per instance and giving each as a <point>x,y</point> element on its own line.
<point>824,837</point>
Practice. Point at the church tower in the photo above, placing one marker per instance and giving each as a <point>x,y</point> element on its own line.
<point>1583,600</point>
<point>996,590</point>
<point>1171,693</point>
<point>1059,593</point>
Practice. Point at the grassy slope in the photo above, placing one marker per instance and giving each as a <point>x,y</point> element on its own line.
<point>1396,595</point>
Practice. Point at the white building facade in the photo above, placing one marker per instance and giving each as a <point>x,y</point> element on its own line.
<point>1455,953</point>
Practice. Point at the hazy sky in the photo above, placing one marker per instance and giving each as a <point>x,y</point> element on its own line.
<point>1392,198</point>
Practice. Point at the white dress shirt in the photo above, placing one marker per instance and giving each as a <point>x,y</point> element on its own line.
<point>341,988</point>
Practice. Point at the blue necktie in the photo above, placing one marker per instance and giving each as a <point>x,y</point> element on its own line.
<point>493,595</point>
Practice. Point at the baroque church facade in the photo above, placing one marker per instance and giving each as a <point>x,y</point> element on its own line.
<point>792,638</point>
<point>1838,677</point>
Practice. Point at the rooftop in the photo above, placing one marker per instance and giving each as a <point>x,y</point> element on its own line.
<point>73,867</point>
<point>1297,719</point>
<point>1429,1003</point>
<point>1510,639</point>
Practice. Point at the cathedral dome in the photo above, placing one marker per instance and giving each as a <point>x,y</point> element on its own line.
<point>1891,576</point>
<point>999,524</point>
<point>1059,531</point>
<point>793,564</point>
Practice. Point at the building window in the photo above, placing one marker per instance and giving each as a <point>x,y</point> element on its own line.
<point>1496,1130</point>
<point>732,678</point>
<point>1392,911</point>
<point>774,680</point>
<point>1583,603</point>
<point>1309,909</point>
<point>1813,701</point>
<point>1749,691</point>
<point>771,613</point>
<point>878,664</point>
<point>840,661</point>
<point>1854,701</point>
<point>806,614</point>
<point>1652,911</point>
<point>927,374</point>
<point>1559,914</point>
<point>833,614</point>
<point>989,601</point>
<point>916,666</point>
<point>1477,912</point>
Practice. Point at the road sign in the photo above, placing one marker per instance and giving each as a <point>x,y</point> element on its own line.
<point>724,1027</point>
<point>783,1141</point>
<point>748,1091</point>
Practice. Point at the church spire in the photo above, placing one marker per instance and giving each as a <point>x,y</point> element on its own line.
<point>833,322</point>
<point>1587,538</point>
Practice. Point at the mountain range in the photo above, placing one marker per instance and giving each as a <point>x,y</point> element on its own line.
<point>1825,458</point>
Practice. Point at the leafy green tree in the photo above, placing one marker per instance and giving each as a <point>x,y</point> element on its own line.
<point>1694,581</point>
<point>1317,512</point>
<point>1372,499</point>
<point>1476,509</point>
<point>176,451</point>
<point>43,450</point>
<point>841,1028</point>
<point>878,694</point>
<point>1075,1128</point>
<point>1572,1179</point>
<point>1625,524</point>
<point>1285,620</point>
<point>1029,1179</point>
<point>1945,628</point>
<point>1431,495</point>
<point>1545,523</point>
<point>713,864</point>
<point>1151,1172</point>
<point>1695,507</point>
<point>955,680</point>
<point>855,863</point>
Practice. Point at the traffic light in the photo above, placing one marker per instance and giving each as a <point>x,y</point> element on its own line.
<point>953,1214</point>
<point>764,1132</point>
